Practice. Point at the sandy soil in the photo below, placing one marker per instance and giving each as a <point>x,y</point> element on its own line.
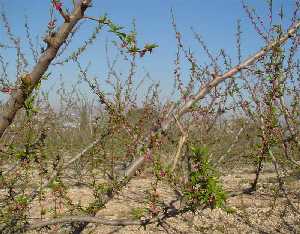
<point>261,212</point>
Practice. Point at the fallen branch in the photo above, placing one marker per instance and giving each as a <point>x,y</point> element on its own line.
<point>87,219</point>
<point>110,222</point>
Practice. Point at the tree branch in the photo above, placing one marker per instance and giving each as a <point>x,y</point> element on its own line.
<point>204,90</point>
<point>18,97</point>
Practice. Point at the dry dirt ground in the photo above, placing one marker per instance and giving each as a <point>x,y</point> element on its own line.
<point>261,212</point>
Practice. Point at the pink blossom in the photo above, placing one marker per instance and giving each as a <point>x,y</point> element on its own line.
<point>162,173</point>
<point>51,24</point>
<point>148,155</point>
<point>57,4</point>
<point>7,90</point>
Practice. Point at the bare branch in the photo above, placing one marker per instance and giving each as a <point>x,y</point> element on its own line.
<point>183,137</point>
<point>212,84</point>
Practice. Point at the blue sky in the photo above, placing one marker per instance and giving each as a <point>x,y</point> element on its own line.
<point>215,20</point>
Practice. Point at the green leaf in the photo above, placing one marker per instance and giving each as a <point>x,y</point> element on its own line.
<point>121,35</point>
<point>270,78</point>
<point>133,49</point>
<point>102,19</point>
<point>115,28</point>
<point>150,46</point>
<point>22,199</point>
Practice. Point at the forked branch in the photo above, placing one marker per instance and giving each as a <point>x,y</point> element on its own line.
<point>204,90</point>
